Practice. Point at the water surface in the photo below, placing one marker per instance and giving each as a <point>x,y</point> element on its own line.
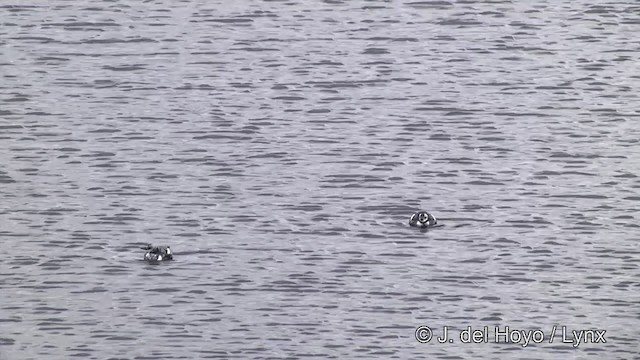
<point>280,147</point>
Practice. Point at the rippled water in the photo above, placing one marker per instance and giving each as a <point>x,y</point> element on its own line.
<point>280,147</point>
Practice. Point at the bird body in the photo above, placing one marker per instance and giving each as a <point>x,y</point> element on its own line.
<point>157,253</point>
<point>423,219</point>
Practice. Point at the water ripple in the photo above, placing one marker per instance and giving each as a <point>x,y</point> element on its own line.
<point>279,147</point>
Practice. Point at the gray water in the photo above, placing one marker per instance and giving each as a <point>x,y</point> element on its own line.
<point>279,148</point>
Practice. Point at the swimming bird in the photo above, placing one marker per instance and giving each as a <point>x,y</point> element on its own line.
<point>157,253</point>
<point>423,219</point>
